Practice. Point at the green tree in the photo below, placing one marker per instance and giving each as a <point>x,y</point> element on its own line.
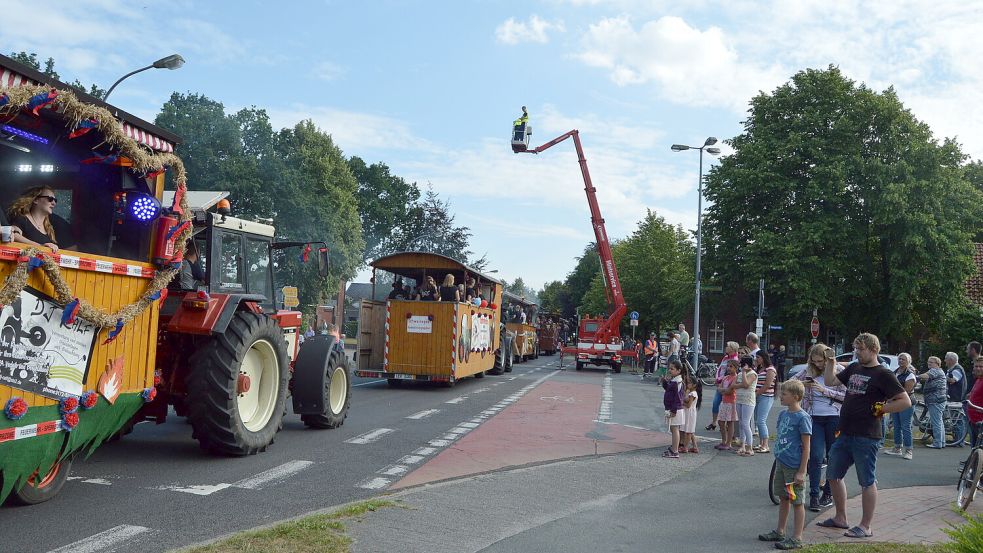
<point>655,267</point>
<point>430,228</point>
<point>843,201</point>
<point>554,297</point>
<point>387,204</point>
<point>519,288</point>
<point>578,281</point>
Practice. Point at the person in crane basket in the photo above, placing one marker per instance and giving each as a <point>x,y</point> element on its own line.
<point>521,131</point>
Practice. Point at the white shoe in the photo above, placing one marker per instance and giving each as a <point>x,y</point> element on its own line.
<point>895,451</point>
<point>907,454</point>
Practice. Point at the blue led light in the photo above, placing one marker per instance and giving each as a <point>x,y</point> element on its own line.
<point>24,134</point>
<point>144,208</point>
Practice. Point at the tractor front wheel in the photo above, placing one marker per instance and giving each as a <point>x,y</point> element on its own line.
<point>337,395</point>
<point>237,386</point>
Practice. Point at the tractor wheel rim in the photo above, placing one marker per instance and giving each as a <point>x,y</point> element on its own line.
<point>47,480</point>
<point>256,405</point>
<point>338,390</point>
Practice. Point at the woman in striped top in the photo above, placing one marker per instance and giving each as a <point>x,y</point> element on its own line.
<point>765,392</point>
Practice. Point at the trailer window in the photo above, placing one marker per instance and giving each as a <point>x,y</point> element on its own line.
<point>231,262</point>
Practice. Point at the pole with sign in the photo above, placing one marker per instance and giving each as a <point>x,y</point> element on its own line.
<point>633,321</point>
<point>814,327</point>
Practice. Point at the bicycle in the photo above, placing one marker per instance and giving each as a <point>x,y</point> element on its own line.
<point>969,476</point>
<point>953,421</point>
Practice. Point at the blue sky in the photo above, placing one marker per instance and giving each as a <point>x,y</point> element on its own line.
<point>431,88</point>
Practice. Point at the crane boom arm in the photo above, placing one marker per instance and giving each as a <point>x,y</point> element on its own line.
<point>612,286</point>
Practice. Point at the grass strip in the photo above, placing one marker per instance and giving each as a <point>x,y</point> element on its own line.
<point>324,533</point>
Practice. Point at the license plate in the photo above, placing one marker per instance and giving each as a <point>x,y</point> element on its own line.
<point>402,376</point>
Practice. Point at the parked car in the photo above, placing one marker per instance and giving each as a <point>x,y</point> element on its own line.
<point>889,361</point>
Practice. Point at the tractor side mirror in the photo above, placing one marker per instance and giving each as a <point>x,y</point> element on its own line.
<point>322,262</point>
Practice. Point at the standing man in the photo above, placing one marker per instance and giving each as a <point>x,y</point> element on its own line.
<point>778,359</point>
<point>753,343</point>
<point>651,351</point>
<point>683,342</point>
<point>673,347</point>
<point>872,392</point>
<point>955,377</point>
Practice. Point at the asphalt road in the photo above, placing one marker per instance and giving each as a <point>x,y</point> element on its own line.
<point>155,490</point>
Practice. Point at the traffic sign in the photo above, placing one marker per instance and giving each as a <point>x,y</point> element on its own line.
<point>814,327</point>
<point>633,316</point>
<point>290,298</point>
<point>774,327</point>
<point>633,322</point>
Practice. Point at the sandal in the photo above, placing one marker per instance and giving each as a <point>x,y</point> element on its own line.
<point>830,523</point>
<point>710,426</point>
<point>694,450</point>
<point>857,532</point>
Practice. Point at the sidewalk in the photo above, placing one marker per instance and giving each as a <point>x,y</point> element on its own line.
<point>914,515</point>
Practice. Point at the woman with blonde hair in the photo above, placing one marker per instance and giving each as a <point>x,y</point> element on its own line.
<point>902,419</point>
<point>449,292</point>
<point>823,405</point>
<point>31,212</point>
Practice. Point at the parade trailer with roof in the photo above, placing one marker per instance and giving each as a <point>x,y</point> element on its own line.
<point>521,318</point>
<point>431,341</point>
<point>91,336</point>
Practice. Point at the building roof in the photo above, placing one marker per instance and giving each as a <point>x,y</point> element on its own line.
<point>974,284</point>
<point>359,291</point>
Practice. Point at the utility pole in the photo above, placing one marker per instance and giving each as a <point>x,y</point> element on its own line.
<point>759,324</point>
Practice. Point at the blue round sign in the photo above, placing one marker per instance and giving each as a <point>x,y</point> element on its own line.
<point>634,315</point>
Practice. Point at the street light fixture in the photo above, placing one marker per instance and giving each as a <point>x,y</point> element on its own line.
<point>174,61</point>
<point>710,141</point>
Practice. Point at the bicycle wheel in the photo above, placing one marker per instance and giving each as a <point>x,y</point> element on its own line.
<point>969,480</point>
<point>771,478</point>
<point>707,374</point>
<point>958,426</point>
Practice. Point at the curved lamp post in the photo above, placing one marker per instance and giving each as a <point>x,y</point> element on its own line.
<point>699,234</point>
<point>174,61</point>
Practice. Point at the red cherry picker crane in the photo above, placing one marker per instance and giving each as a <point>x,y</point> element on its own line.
<point>598,339</point>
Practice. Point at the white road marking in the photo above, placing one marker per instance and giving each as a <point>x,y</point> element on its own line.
<point>457,400</point>
<point>468,425</point>
<point>513,378</point>
<point>450,437</point>
<point>423,414</point>
<point>607,400</point>
<point>100,481</point>
<point>369,437</point>
<point>376,483</point>
<point>367,383</point>
<point>439,443</point>
<point>103,540</point>
<point>394,470</point>
<point>477,420</point>
<point>480,390</point>
<point>424,451</point>
<point>276,473</point>
<point>204,489</point>
<point>410,459</point>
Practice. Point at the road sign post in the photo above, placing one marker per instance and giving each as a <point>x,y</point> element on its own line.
<point>814,328</point>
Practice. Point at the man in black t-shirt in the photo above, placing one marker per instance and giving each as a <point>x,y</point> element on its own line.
<point>872,392</point>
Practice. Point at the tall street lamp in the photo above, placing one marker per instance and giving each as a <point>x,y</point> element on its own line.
<point>699,235</point>
<point>174,61</point>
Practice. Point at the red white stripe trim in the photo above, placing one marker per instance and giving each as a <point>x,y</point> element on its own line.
<point>385,357</point>
<point>29,431</point>
<point>454,343</point>
<point>10,79</point>
<point>85,263</point>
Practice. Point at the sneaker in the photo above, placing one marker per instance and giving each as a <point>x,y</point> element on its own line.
<point>895,451</point>
<point>774,535</point>
<point>789,543</point>
<point>825,500</point>
<point>814,504</point>
<point>907,454</point>
<point>670,454</point>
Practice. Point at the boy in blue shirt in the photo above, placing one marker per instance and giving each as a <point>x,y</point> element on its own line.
<point>792,455</point>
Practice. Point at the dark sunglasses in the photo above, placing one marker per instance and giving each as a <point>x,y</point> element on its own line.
<point>51,199</point>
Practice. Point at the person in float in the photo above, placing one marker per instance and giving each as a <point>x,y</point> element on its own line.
<point>32,214</point>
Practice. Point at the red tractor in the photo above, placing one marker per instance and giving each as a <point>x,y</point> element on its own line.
<point>227,358</point>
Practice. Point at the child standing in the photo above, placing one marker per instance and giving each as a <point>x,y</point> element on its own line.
<point>747,379</point>
<point>691,403</point>
<point>727,417</point>
<point>672,401</point>
<point>792,457</point>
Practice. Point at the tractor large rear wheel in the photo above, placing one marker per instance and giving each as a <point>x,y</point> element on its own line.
<point>237,386</point>
<point>337,395</point>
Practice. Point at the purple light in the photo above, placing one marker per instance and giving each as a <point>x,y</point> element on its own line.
<point>24,134</point>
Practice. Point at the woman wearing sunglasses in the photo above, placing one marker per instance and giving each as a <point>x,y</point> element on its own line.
<point>31,212</point>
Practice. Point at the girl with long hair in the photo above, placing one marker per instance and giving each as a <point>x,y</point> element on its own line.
<point>31,212</point>
<point>823,404</point>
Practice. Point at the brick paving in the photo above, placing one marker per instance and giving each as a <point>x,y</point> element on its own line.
<point>915,515</point>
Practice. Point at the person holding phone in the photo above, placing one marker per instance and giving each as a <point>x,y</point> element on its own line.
<point>822,402</point>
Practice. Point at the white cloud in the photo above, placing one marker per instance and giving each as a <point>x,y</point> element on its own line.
<point>354,132</point>
<point>327,71</point>
<point>533,30</point>
<point>686,64</point>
